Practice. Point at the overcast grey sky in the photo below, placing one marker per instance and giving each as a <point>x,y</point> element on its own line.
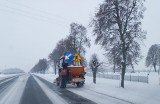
<point>30,29</point>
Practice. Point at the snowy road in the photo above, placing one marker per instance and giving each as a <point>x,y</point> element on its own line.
<point>31,89</point>
<point>68,96</point>
<point>4,83</point>
<point>74,95</point>
<point>12,89</point>
<point>33,94</point>
<point>28,89</point>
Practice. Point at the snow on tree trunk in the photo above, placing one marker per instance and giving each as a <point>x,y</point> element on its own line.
<point>94,77</point>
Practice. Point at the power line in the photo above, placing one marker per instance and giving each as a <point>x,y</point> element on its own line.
<point>22,12</point>
<point>13,12</point>
<point>35,9</point>
<point>31,17</point>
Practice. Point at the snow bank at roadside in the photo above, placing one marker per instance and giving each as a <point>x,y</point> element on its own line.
<point>139,93</point>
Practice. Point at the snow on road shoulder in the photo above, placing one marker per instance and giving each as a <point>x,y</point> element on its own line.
<point>13,93</point>
<point>99,98</point>
<point>48,77</point>
<point>139,93</point>
<point>93,96</point>
<point>3,76</point>
<point>56,99</point>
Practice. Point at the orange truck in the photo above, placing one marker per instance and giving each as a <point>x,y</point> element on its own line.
<point>74,73</point>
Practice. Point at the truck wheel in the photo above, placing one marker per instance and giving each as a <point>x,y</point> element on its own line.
<point>62,83</point>
<point>82,84</point>
<point>78,84</point>
<point>57,83</point>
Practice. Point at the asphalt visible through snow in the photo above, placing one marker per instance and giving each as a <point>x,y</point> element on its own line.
<point>5,83</point>
<point>26,89</point>
<point>33,94</point>
<point>68,96</point>
<point>31,89</point>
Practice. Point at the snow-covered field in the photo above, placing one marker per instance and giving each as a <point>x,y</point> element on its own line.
<point>135,92</point>
<point>153,77</point>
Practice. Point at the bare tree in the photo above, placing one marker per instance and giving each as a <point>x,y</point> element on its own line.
<point>114,57</point>
<point>41,66</point>
<point>153,56</point>
<point>53,59</point>
<point>118,23</point>
<point>60,48</point>
<point>78,38</point>
<point>35,69</point>
<point>94,64</point>
<point>75,42</point>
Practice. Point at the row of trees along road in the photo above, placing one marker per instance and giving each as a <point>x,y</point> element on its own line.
<point>153,56</point>
<point>117,27</point>
<point>41,66</point>
<point>76,41</point>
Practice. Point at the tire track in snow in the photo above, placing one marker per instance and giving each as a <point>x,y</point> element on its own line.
<point>54,97</point>
<point>88,93</point>
<point>69,96</point>
<point>5,83</point>
<point>13,93</point>
<point>33,94</point>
